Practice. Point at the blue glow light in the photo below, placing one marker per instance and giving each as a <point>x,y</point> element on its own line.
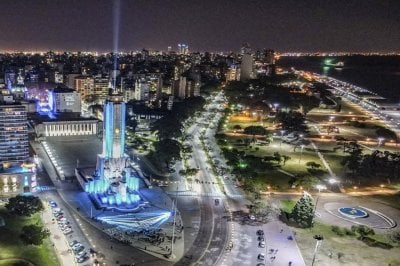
<point>137,220</point>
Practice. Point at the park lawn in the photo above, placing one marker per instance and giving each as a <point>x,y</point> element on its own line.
<point>275,179</point>
<point>287,205</point>
<point>355,252</point>
<point>12,247</point>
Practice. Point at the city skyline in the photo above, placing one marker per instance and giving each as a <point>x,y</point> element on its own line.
<point>290,26</point>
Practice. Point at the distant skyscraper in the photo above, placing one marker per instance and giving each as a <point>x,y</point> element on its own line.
<point>245,49</point>
<point>141,90</point>
<point>183,49</point>
<point>246,67</point>
<point>269,57</point>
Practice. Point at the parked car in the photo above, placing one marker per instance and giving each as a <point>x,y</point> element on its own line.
<point>260,232</point>
<point>77,249</point>
<point>82,259</point>
<point>73,243</point>
<point>261,256</point>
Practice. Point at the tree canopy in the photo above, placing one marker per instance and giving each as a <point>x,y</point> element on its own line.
<point>167,151</point>
<point>303,212</point>
<point>33,234</point>
<point>291,121</point>
<point>255,130</point>
<point>24,205</point>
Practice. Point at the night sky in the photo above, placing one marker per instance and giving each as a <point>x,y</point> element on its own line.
<point>213,25</point>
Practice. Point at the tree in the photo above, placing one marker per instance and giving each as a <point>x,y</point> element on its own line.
<point>24,205</point>
<point>354,159</point>
<point>131,123</point>
<point>285,158</point>
<point>291,121</point>
<point>263,210</point>
<point>306,181</point>
<point>386,133</point>
<point>33,234</point>
<point>167,151</point>
<point>308,103</point>
<point>237,127</point>
<point>255,130</point>
<point>277,157</point>
<point>313,165</point>
<point>362,230</point>
<point>167,127</point>
<point>303,212</point>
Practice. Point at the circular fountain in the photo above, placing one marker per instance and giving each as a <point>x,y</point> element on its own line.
<point>353,212</point>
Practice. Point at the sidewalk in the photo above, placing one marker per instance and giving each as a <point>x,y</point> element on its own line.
<point>285,250</point>
<point>57,238</point>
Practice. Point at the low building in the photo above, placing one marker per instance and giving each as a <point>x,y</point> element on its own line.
<point>64,125</point>
<point>62,100</point>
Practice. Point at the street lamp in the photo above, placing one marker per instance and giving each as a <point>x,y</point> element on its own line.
<point>319,239</point>
<point>332,181</point>
<point>282,132</point>
<point>301,152</point>
<point>380,140</point>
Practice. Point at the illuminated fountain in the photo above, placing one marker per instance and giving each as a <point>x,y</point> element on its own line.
<point>114,184</point>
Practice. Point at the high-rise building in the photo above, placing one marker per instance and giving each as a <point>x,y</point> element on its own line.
<point>182,87</point>
<point>14,147</point>
<point>269,57</point>
<point>246,67</point>
<point>141,90</point>
<point>101,87</point>
<point>19,89</point>
<point>233,73</point>
<point>183,49</point>
<point>84,85</point>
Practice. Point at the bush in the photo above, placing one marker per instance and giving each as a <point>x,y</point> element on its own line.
<point>362,230</point>
<point>374,243</point>
<point>348,232</point>
<point>337,230</point>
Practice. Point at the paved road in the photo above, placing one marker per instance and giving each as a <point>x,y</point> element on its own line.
<point>238,229</point>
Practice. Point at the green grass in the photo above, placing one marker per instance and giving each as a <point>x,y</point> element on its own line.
<point>275,179</point>
<point>287,205</point>
<point>355,252</point>
<point>12,247</point>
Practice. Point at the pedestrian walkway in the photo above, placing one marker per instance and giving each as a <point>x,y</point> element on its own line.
<point>281,245</point>
<point>58,239</point>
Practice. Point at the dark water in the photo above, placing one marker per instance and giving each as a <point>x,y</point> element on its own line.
<point>380,74</point>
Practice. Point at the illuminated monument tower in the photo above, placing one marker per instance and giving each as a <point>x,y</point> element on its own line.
<point>114,183</point>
